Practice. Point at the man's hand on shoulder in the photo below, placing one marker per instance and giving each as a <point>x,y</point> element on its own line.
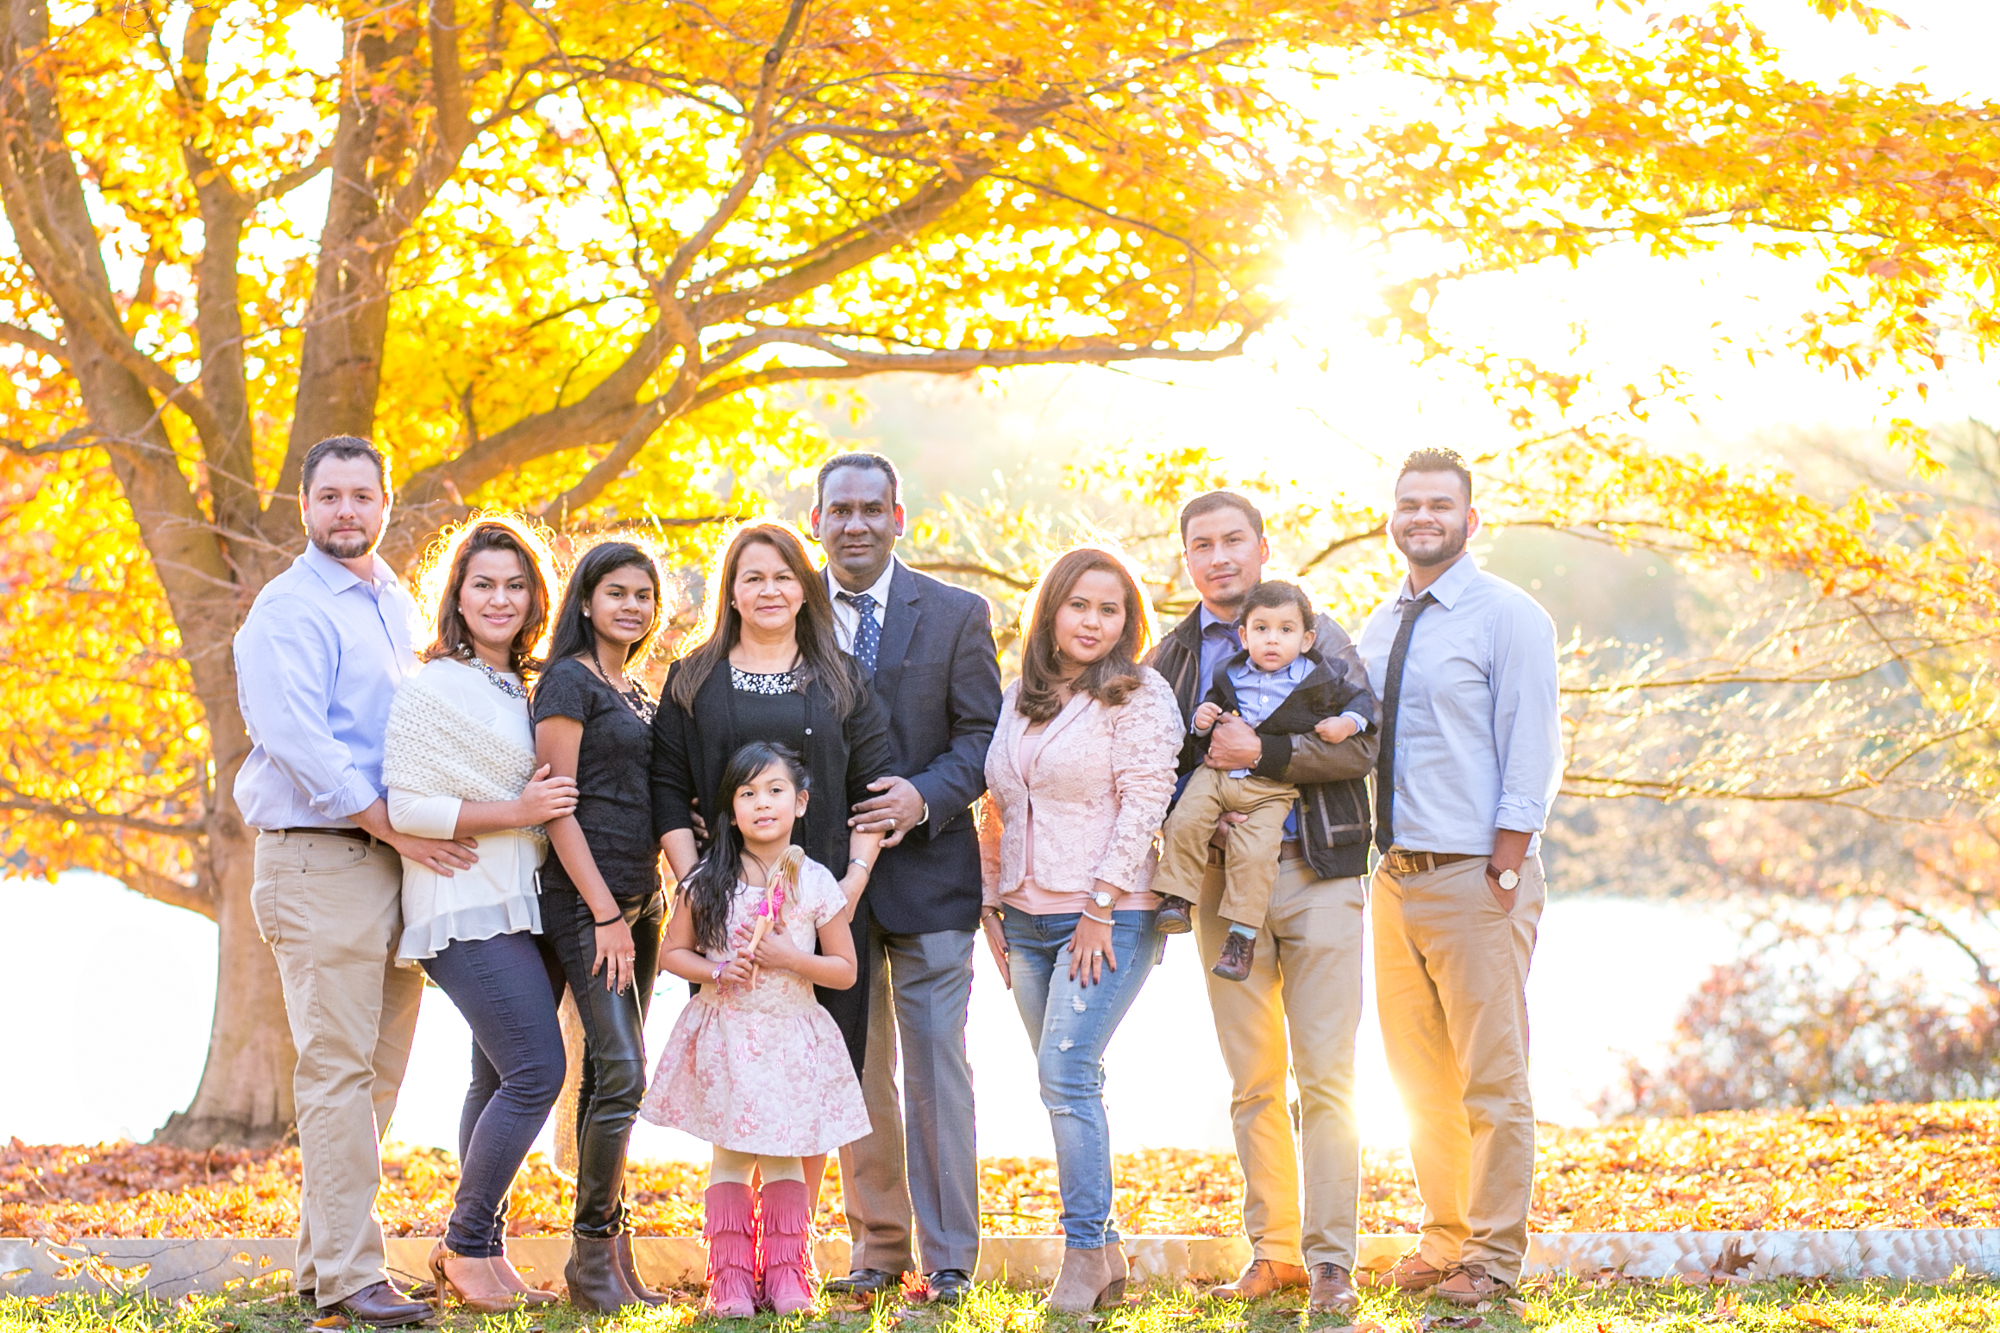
<point>897,808</point>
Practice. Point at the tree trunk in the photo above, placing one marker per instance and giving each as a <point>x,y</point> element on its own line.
<point>245,1096</point>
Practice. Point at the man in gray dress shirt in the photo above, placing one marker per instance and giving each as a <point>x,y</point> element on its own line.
<point>1464,665</point>
<point>317,662</point>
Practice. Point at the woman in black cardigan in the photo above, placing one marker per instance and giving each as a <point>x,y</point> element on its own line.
<point>771,670</point>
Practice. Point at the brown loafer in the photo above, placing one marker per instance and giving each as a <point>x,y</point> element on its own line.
<point>1260,1278</point>
<point>1469,1284</point>
<point>1332,1291</point>
<point>1238,953</point>
<point>1175,917</point>
<point>1410,1275</point>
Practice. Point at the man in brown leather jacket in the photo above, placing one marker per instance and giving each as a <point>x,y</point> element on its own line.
<point>1301,1003</point>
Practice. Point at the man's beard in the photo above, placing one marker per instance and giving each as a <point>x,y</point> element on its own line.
<point>1454,546</point>
<point>344,545</point>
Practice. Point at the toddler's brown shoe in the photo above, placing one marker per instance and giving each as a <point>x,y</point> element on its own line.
<point>1238,953</point>
<point>1176,915</point>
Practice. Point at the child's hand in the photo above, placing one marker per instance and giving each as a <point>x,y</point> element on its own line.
<point>1206,714</point>
<point>774,950</point>
<point>735,972</point>
<point>1334,730</point>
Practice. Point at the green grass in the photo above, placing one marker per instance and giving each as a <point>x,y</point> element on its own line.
<point>1570,1307</point>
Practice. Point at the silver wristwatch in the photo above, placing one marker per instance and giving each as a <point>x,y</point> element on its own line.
<point>1103,899</point>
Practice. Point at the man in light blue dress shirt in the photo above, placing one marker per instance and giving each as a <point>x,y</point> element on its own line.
<point>318,661</point>
<point>1464,665</point>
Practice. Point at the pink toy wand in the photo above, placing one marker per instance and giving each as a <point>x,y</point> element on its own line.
<point>784,875</point>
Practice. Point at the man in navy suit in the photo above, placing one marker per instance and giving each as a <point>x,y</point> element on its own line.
<point>929,649</point>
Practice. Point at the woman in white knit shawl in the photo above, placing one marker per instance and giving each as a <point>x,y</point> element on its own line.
<point>459,762</point>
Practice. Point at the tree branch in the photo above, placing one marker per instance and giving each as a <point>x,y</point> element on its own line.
<point>34,342</point>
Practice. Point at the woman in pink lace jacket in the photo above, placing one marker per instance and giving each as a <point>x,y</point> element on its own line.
<point>1079,773</point>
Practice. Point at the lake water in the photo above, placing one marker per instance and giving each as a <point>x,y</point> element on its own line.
<point>105,1037</point>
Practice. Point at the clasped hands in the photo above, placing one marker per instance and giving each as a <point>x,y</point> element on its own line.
<point>775,949</point>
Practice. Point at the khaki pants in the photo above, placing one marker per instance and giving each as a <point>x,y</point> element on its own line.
<point>1451,969</point>
<point>1252,869</point>
<point>1303,992</point>
<point>331,909</point>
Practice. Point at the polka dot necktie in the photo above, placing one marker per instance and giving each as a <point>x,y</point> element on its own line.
<point>867,633</point>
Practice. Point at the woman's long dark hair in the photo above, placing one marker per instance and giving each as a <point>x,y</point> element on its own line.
<point>711,886</point>
<point>497,532</point>
<point>574,635</point>
<point>819,651</point>
<point>1111,677</point>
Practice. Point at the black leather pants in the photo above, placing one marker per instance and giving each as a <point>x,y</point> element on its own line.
<point>614,1067</point>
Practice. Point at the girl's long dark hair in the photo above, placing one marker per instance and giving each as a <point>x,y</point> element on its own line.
<point>495,532</point>
<point>574,634</point>
<point>1111,677</point>
<point>711,885</point>
<point>819,651</point>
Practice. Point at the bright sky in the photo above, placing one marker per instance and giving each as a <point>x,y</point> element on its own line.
<point>1329,427</point>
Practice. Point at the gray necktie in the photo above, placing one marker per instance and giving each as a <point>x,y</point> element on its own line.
<point>1392,692</point>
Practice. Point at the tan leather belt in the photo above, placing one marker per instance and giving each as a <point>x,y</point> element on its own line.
<point>1404,862</point>
<point>351,834</point>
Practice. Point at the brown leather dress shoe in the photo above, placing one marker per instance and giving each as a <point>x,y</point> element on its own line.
<point>1411,1275</point>
<point>1238,953</point>
<point>1332,1292</point>
<point>1469,1284</point>
<point>379,1306</point>
<point>1260,1278</point>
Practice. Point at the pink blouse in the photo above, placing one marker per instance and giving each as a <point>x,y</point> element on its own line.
<point>1093,785</point>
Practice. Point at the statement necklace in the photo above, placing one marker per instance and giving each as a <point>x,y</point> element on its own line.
<point>512,689</point>
<point>634,697</point>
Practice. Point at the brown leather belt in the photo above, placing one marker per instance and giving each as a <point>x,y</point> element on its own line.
<point>351,834</point>
<point>1403,862</point>
<point>1291,849</point>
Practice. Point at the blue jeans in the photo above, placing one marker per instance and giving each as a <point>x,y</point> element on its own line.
<point>501,987</point>
<point>1070,1025</point>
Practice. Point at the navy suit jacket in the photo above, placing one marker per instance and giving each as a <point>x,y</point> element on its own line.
<point>938,675</point>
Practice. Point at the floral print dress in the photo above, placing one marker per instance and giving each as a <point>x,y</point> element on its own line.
<point>761,1068</point>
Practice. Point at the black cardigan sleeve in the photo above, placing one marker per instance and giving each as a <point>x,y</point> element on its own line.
<point>673,776</point>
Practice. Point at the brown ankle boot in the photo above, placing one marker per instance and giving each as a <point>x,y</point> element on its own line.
<point>595,1284</point>
<point>629,1270</point>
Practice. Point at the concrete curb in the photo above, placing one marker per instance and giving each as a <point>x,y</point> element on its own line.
<point>169,1268</point>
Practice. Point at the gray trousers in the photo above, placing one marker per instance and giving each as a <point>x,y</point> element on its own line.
<point>920,1158</point>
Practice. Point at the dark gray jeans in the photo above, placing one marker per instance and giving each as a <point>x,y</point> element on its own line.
<point>501,986</point>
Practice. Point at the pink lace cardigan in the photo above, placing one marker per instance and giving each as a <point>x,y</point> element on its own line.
<point>1096,789</point>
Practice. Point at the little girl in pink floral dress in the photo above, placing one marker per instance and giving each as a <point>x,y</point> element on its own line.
<point>754,1065</point>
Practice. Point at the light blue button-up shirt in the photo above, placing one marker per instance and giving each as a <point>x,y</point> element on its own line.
<point>1258,693</point>
<point>318,661</point>
<point>1479,721</point>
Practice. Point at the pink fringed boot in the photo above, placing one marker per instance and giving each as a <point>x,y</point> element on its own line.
<point>784,1248</point>
<point>729,1225</point>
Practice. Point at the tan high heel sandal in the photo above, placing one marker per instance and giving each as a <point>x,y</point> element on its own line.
<point>511,1279</point>
<point>504,1304</point>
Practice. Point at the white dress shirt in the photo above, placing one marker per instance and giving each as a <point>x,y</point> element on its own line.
<point>1479,722</point>
<point>846,619</point>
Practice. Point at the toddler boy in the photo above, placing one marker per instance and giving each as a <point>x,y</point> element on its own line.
<point>1277,686</point>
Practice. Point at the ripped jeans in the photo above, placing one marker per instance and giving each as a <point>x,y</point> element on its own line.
<point>1070,1025</point>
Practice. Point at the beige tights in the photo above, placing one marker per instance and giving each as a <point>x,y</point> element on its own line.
<point>729,1167</point>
